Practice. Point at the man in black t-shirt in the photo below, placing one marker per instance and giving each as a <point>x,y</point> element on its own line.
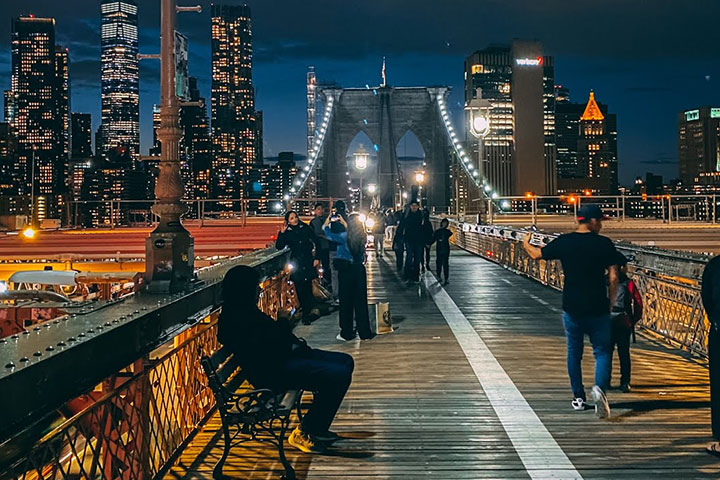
<point>585,256</point>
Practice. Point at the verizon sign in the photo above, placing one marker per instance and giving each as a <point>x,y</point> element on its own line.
<point>529,62</point>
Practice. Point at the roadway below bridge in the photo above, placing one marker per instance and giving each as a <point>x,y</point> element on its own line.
<point>692,236</point>
<point>92,249</point>
<point>473,384</point>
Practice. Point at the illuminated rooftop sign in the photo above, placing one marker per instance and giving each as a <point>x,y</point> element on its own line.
<point>715,113</point>
<point>529,62</point>
<point>691,115</point>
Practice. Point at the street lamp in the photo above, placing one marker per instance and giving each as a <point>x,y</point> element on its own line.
<point>419,177</point>
<point>361,162</point>
<point>478,116</point>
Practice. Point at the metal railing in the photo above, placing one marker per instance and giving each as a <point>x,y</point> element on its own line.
<point>139,423</point>
<point>669,281</point>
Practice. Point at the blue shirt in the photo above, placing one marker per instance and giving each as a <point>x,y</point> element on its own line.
<point>341,240</point>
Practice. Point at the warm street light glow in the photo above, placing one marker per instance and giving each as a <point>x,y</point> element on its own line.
<point>28,232</point>
<point>361,159</point>
<point>404,195</point>
<point>529,195</point>
<point>587,193</point>
<point>372,188</point>
<point>571,199</point>
<point>362,217</point>
<point>419,177</point>
<point>369,223</point>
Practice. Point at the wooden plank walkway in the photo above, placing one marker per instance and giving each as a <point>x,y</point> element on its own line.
<point>416,409</point>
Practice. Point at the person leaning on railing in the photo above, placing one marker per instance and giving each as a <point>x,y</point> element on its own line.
<point>273,357</point>
<point>711,301</point>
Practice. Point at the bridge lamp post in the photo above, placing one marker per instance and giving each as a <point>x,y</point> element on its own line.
<point>361,163</point>
<point>419,180</point>
<point>478,115</point>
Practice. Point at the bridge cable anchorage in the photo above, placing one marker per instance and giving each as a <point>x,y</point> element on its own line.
<point>298,182</point>
<point>480,182</point>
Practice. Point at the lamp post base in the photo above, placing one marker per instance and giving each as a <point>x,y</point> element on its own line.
<point>169,253</point>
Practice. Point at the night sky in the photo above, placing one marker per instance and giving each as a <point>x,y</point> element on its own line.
<point>647,59</point>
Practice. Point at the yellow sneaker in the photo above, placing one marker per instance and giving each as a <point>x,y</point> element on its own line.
<point>304,442</point>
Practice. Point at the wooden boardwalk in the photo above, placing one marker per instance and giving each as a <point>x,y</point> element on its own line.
<point>417,410</point>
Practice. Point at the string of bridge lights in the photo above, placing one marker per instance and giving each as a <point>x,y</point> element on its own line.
<point>302,176</point>
<point>471,171</point>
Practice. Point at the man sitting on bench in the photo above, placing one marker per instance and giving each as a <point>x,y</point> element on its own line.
<point>273,357</point>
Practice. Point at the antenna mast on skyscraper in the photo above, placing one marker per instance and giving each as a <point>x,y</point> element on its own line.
<point>384,79</point>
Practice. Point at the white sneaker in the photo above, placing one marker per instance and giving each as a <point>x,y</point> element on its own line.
<point>602,407</point>
<point>578,403</point>
<point>343,339</point>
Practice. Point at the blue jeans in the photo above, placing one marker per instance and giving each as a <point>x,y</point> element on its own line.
<point>599,331</point>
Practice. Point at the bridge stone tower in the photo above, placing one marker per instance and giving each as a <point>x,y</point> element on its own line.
<point>385,114</point>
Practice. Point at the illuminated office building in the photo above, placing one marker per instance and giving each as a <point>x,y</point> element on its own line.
<point>120,128</point>
<point>586,138</point>
<point>234,129</point>
<point>37,109</point>
<point>518,81</point>
<point>698,143</point>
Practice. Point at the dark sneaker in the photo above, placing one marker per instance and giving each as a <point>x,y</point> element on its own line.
<point>602,407</point>
<point>304,442</point>
<point>625,387</point>
<point>327,437</point>
<point>578,403</point>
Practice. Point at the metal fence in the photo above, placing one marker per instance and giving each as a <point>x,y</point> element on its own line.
<point>135,428</point>
<point>668,281</point>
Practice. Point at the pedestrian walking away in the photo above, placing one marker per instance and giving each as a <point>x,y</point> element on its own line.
<point>378,231</point>
<point>414,242</point>
<point>427,229</point>
<point>398,242</point>
<point>441,239</point>
<point>322,245</point>
<point>711,301</point>
<point>585,256</point>
<point>350,265</point>
<point>298,236</point>
<point>624,314</point>
<point>272,357</point>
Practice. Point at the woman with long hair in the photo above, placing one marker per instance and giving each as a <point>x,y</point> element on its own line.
<point>271,356</point>
<point>350,265</point>
<point>298,236</point>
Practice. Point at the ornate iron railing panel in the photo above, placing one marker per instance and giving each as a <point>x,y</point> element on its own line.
<point>136,427</point>
<point>669,281</point>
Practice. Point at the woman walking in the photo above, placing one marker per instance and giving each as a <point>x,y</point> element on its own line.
<point>298,236</point>
<point>350,265</point>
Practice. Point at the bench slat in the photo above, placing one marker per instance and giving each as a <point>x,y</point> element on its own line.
<point>219,357</point>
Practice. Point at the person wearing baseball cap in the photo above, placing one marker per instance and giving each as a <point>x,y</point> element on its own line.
<point>585,256</point>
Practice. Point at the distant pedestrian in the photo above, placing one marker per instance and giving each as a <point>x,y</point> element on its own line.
<point>414,242</point>
<point>398,243</point>
<point>322,245</point>
<point>625,313</point>
<point>350,265</point>
<point>711,301</point>
<point>427,229</point>
<point>298,236</point>
<point>585,256</point>
<point>378,231</point>
<point>441,237</point>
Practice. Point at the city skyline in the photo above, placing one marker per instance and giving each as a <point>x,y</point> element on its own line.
<point>640,82</point>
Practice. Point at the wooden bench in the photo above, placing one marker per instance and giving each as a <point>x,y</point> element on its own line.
<point>261,415</point>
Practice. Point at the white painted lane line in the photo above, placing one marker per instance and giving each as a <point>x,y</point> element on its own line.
<point>541,455</point>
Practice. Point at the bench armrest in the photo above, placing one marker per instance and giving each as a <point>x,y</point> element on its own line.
<point>252,400</point>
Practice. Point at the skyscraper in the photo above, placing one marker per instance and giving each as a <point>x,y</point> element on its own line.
<point>37,108</point>
<point>120,127</point>
<point>234,128</point>
<point>586,138</point>
<point>81,135</point>
<point>519,152</point>
<point>698,143</point>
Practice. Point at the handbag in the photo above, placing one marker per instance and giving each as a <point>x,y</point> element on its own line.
<point>320,292</point>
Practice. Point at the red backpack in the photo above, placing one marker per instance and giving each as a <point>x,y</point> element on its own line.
<point>633,303</point>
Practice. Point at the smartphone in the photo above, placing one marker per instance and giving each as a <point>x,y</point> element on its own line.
<point>292,312</point>
<point>334,218</point>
